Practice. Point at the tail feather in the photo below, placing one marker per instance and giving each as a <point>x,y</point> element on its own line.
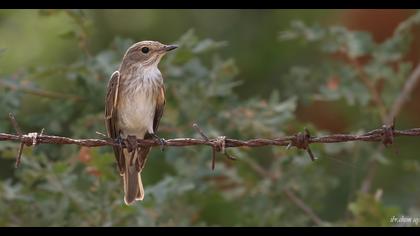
<point>133,186</point>
<point>140,193</point>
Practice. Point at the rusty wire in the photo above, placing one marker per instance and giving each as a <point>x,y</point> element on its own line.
<point>302,140</point>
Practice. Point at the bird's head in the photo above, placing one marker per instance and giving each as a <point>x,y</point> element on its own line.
<point>147,53</point>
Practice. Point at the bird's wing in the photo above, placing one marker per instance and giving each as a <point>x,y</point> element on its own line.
<point>111,115</point>
<point>160,105</point>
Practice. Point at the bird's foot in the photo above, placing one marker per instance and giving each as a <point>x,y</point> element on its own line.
<point>131,143</point>
<point>162,142</point>
<point>119,140</point>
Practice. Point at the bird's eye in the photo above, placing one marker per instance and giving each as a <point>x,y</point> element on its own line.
<point>144,50</point>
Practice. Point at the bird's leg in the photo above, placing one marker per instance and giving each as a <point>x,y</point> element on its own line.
<point>162,141</point>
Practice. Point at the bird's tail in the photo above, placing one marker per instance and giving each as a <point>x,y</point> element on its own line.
<point>133,186</point>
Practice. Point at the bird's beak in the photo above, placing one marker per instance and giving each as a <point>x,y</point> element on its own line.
<point>168,48</point>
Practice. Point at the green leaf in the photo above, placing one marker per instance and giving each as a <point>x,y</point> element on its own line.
<point>359,44</point>
<point>299,29</point>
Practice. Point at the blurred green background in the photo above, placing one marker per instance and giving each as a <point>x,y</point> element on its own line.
<point>239,73</point>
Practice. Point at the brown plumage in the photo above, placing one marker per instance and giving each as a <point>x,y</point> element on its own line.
<point>134,105</point>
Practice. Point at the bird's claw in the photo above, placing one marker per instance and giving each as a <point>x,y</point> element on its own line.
<point>119,140</point>
<point>162,142</point>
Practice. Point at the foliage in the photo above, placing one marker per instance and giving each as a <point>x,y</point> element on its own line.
<point>74,186</point>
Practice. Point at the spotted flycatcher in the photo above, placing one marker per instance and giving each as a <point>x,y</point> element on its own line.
<point>134,105</point>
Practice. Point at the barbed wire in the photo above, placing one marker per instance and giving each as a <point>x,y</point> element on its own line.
<point>301,140</point>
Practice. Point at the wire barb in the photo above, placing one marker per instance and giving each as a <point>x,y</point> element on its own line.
<point>34,137</point>
<point>301,141</point>
<point>218,145</point>
<point>15,124</point>
<point>200,131</point>
<point>101,134</point>
<point>22,143</point>
<point>206,138</point>
<point>388,134</point>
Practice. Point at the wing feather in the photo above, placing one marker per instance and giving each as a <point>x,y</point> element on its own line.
<point>160,105</point>
<point>111,117</point>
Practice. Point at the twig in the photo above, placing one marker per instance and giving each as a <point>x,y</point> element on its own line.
<point>408,88</point>
<point>287,191</point>
<point>301,204</point>
<point>38,92</point>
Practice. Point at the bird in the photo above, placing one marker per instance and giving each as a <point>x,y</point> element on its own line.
<point>134,105</point>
